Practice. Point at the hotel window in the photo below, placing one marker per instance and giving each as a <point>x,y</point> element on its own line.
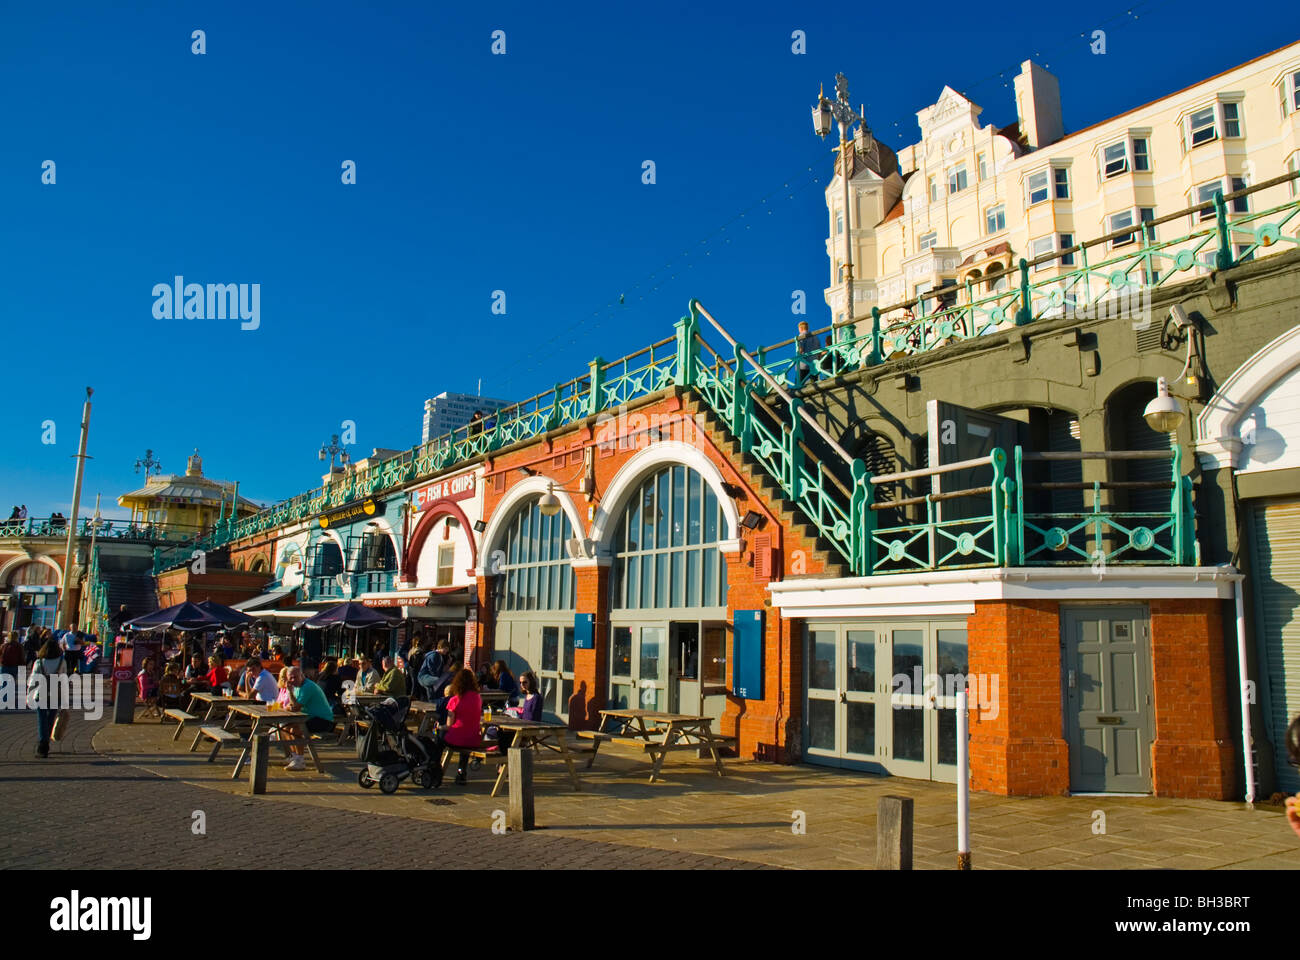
<point>1204,125</point>
<point>934,190</point>
<point>1293,166</point>
<point>928,240</point>
<point>1206,191</point>
<point>1064,242</point>
<point>1114,159</point>
<point>1041,247</point>
<point>1141,157</point>
<point>1118,221</point>
<point>1289,93</point>
<point>982,161</point>
<point>839,221</point>
<point>1062,178</point>
<point>1054,181</point>
<point>1037,188</point>
<point>957,179</point>
<point>446,563</point>
<point>995,218</point>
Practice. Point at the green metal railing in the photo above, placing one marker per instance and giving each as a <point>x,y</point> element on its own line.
<point>839,498</point>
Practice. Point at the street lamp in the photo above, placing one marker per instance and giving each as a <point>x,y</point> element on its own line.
<point>149,463</point>
<point>1164,414</point>
<point>823,110</point>
<point>332,451</point>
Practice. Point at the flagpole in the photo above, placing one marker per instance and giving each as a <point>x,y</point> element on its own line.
<point>61,610</point>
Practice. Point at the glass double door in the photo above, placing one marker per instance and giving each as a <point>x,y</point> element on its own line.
<point>882,696</point>
<point>543,644</point>
<point>677,666</point>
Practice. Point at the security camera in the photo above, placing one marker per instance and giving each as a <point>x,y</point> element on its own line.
<point>1178,316</point>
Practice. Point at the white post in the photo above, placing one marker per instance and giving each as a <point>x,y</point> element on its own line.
<point>963,784</point>
<point>1245,696</point>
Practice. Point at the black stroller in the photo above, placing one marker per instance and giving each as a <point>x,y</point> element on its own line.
<point>392,753</point>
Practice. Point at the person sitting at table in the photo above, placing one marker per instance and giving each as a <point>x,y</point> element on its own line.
<point>282,698</point>
<point>196,674</point>
<point>306,696</point>
<point>393,682</point>
<point>529,709</point>
<point>330,683</point>
<point>146,680</point>
<point>171,681</point>
<point>464,723</point>
<point>367,676</point>
<point>503,680</point>
<point>348,670</point>
<point>218,675</point>
<point>258,683</point>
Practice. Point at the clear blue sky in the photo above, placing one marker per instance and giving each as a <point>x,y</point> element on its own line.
<point>475,173</point>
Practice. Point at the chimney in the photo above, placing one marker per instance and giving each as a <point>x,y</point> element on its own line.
<point>1038,106</point>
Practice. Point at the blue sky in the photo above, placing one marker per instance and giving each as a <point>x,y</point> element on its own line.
<point>475,172</point>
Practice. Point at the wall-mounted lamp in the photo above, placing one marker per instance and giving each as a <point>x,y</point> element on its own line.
<point>752,520</point>
<point>479,526</point>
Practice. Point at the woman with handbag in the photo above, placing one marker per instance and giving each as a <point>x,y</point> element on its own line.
<point>40,694</point>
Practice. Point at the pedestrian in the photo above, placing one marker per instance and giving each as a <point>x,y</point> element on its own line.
<point>42,694</point>
<point>72,646</point>
<point>14,515</point>
<point>31,644</point>
<point>805,345</point>
<point>22,513</point>
<point>12,656</point>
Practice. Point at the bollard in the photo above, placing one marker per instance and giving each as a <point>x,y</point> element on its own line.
<point>894,833</point>
<point>257,763</point>
<point>124,703</point>
<point>521,788</point>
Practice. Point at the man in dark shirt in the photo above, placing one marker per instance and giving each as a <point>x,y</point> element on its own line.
<point>806,344</point>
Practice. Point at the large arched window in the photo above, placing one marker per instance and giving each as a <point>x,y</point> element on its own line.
<point>536,574</point>
<point>666,545</point>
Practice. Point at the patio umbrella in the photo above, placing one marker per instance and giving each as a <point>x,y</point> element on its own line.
<point>228,616</point>
<point>183,616</point>
<point>357,616</point>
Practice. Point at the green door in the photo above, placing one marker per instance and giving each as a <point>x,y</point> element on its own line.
<point>1107,664</point>
<point>1275,583</point>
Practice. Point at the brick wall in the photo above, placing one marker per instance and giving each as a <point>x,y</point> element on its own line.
<point>1194,754</point>
<point>1021,750</point>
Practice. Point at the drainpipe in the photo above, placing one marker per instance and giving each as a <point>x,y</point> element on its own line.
<point>1245,699</point>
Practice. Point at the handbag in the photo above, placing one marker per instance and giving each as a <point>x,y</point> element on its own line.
<point>61,724</point>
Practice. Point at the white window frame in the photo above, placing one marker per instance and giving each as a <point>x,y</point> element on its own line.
<point>1133,225</point>
<point>932,236</point>
<point>1289,90</point>
<point>839,223</point>
<point>1218,125</point>
<point>1293,166</point>
<point>934,189</point>
<point>958,179</point>
<point>1227,185</point>
<point>982,164</point>
<point>1001,215</point>
<point>446,549</point>
<point>1145,153</point>
<point>1036,250</point>
<point>1107,173</point>
<point>1046,189</point>
<point>1063,242</point>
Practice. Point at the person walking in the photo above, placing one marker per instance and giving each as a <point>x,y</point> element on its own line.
<point>806,345</point>
<point>41,693</point>
<point>72,648</point>
<point>12,656</point>
<point>22,513</point>
<point>32,644</point>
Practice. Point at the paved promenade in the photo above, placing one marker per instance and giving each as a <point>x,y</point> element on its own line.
<point>691,818</point>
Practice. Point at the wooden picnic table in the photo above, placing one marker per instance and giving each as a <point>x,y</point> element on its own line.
<point>216,702</point>
<point>667,733</point>
<point>533,733</point>
<point>265,720</point>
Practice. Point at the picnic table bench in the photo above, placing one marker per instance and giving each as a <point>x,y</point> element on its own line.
<point>181,718</point>
<point>666,733</point>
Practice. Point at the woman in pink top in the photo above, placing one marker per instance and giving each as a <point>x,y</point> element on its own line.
<point>464,721</point>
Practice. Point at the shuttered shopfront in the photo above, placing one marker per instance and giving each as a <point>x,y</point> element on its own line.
<point>1276,587</point>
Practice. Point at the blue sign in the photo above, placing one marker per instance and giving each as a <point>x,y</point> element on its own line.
<point>584,631</point>
<point>747,655</point>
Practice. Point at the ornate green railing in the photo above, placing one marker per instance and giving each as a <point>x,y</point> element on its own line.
<point>1112,275</point>
<point>57,527</point>
<point>1114,272</point>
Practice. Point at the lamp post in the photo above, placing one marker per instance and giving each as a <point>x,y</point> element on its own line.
<point>332,451</point>
<point>845,115</point>
<point>61,609</point>
<point>149,463</point>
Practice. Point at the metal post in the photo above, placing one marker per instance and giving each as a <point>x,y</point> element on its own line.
<point>61,609</point>
<point>848,225</point>
<point>963,784</point>
<point>1246,737</point>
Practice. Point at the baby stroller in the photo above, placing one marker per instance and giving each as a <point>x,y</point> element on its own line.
<point>392,753</point>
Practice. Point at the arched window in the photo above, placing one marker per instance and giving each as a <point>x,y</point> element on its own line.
<point>666,545</point>
<point>536,574</point>
<point>33,574</point>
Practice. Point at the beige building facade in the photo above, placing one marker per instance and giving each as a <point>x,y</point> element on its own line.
<point>961,207</point>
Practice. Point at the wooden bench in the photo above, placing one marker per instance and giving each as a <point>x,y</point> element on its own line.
<point>596,738</point>
<point>218,734</point>
<point>658,751</point>
<point>181,718</point>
